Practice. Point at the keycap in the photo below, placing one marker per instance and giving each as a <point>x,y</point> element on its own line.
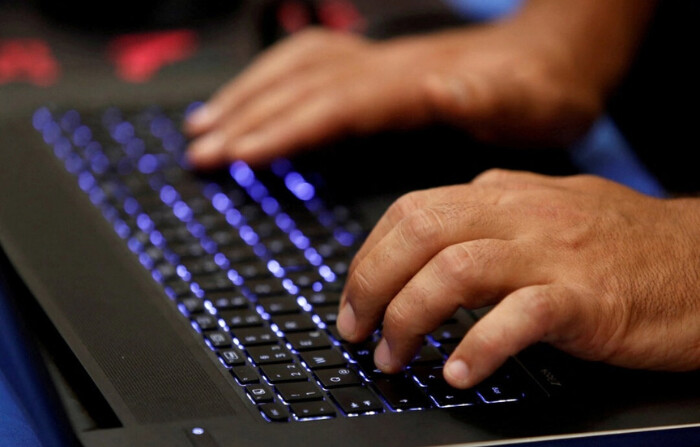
<point>401,393</point>
<point>337,377</point>
<point>219,339</point>
<point>299,391</point>
<point>242,318</point>
<point>294,322</point>
<point>269,354</point>
<point>450,332</point>
<point>260,393</point>
<point>323,358</point>
<point>328,313</point>
<point>232,356</point>
<point>274,411</point>
<point>313,409</point>
<point>428,354</point>
<point>216,282</point>
<point>225,301</point>
<point>285,372</point>
<point>178,287</point>
<point>320,298</point>
<point>492,391</point>
<point>255,336</point>
<point>206,322</point>
<point>193,305</point>
<point>265,287</point>
<point>356,400</point>
<point>279,305</point>
<point>305,341</point>
<point>245,374</point>
<point>446,396</point>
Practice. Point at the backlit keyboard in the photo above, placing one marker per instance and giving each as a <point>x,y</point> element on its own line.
<point>255,261</point>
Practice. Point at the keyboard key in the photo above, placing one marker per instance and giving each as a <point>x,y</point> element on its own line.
<point>299,391</point>
<point>320,298</point>
<point>193,305</point>
<point>401,393</point>
<point>450,332</point>
<point>294,323</point>
<point>215,282</point>
<point>286,372</point>
<point>497,392</point>
<point>328,314</point>
<point>305,341</point>
<point>446,396</point>
<point>337,377</point>
<point>228,301</point>
<point>356,400</point>
<point>428,354</point>
<point>245,374</point>
<point>206,322</point>
<point>323,358</point>
<point>255,336</point>
<point>265,287</point>
<point>279,305</point>
<point>232,356</point>
<point>313,409</point>
<point>219,339</point>
<point>274,411</point>
<point>270,354</point>
<point>242,318</point>
<point>260,393</point>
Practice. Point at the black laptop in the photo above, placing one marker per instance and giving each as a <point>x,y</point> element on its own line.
<point>171,307</point>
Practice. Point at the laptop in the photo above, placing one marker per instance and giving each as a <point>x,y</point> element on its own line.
<point>154,305</point>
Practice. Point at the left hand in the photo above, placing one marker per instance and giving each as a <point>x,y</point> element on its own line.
<point>587,265</point>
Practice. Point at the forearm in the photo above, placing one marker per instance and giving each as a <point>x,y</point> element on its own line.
<point>598,36</point>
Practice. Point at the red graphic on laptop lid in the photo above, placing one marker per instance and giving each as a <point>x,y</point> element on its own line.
<point>138,57</point>
<point>27,60</point>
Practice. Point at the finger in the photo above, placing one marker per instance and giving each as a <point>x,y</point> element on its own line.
<point>353,107</point>
<point>413,201</point>
<point>282,60</point>
<point>209,151</point>
<point>405,250</point>
<point>471,274</point>
<point>514,179</point>
<point>528,315</point>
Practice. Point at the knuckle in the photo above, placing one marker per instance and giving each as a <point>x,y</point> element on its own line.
<point>493,175</point>
<point>359,282</point>
<point>460,262</point>
<point>405,205</point>
<point>538,307</point>
<point>423,226</point>
<point>398,316</point>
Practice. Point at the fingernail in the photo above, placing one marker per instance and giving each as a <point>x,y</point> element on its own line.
<point>382,355</point>
<point>210,143</point>
<point>457,370</point>
<point>346,322</point>
<point>201,116</point>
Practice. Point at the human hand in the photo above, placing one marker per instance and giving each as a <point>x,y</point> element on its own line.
<point>584,264</point>
<point>506,83</point>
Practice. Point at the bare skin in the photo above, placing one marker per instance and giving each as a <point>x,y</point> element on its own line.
<point>539,248</point>
<point>539,78</point>
<point>584,264</point>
